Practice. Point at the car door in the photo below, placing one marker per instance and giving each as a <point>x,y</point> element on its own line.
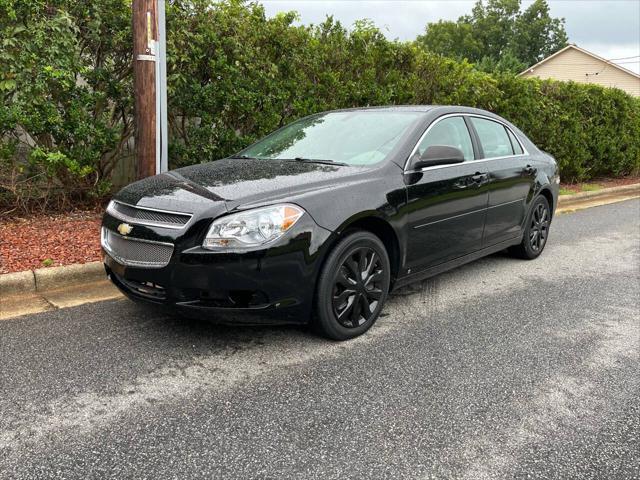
<point>512,179</point>
<point>446,203</point>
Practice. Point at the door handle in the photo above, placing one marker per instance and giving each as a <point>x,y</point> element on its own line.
<point>472,181</point>
<point>462,184</point>
<point>529,170</point>
<point>480,178</point>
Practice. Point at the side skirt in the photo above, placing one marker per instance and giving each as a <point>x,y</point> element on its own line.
<point>456,262</point>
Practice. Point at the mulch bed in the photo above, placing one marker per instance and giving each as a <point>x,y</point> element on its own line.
<point>49,240</point>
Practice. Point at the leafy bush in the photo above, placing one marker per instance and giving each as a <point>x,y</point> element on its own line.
<point>233,76</point>
<point>66,98</point>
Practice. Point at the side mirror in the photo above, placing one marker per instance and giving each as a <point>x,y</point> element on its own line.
<point>438,155</point>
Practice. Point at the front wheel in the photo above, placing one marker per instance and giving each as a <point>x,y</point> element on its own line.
<point>536,230</point>
<point>352,286</point>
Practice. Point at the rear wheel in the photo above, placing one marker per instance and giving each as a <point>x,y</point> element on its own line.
<point>352,286</point>
<point>536,231</point>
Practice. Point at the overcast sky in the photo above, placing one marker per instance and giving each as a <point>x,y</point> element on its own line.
<point>609,28</point>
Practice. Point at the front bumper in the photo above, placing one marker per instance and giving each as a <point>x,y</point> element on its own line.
<point>273,286</point>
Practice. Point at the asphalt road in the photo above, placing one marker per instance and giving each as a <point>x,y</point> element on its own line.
<point>500,369</point>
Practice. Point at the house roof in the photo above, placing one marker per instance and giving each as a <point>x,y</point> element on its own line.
<point>575,47</point>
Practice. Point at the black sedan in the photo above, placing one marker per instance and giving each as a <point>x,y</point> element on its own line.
<point>317,222</point>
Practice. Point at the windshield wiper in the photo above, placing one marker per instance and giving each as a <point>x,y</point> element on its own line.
<point>296,159</point>
<point>318,160</point>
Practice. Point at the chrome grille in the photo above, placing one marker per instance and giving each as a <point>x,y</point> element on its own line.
<point>147,216</point>
<point>136,252</point>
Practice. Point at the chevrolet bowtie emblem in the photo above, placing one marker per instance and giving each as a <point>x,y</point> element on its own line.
<point>124,229</point>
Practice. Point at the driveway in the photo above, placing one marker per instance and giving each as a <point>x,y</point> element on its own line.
<point>499,369</point>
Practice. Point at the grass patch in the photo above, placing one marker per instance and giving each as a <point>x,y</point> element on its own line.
<point>581,187</point>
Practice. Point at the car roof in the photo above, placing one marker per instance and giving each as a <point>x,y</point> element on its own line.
<point>442,109</point>
<point>395,108</point>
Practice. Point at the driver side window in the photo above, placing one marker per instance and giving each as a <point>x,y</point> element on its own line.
<point>451,132</point>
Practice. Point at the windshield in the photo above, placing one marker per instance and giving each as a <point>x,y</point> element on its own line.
<point>351,137</point>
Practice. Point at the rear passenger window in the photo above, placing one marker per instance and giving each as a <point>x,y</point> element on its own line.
<point>493,138</point>
<point>514,143</point>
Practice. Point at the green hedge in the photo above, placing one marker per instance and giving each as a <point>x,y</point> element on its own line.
<point>233,76</point>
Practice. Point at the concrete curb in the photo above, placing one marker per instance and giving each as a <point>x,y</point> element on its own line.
<point>18,282</point>
<point>43,279</point>
<point>577,198</point>
<point>54,278</point>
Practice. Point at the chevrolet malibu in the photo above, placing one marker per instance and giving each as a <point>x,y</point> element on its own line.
<point>317,222</point>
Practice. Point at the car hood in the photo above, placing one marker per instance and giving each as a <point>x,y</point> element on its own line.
<point>233,182</point>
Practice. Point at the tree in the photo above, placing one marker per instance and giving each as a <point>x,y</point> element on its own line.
<point>498,36</point>
<point>537,34</point>
<point>452,39</point>
<point>493,25</point>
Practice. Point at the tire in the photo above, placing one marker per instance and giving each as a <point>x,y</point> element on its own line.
<point>343,297</point>
<point>536,231</point>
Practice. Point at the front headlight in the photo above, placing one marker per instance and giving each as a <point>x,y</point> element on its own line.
<point>251,228</point>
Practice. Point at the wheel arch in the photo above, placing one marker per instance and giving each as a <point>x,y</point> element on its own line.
<point>382,229</point>
<point>546,192</point>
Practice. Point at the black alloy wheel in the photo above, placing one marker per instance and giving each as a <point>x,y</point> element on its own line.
<point>539,227</point>
<point>536,230</point>
<point>357,287</point>
<point>352,286</point>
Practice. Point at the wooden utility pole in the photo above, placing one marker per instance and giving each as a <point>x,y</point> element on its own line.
<point>145,34</point>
